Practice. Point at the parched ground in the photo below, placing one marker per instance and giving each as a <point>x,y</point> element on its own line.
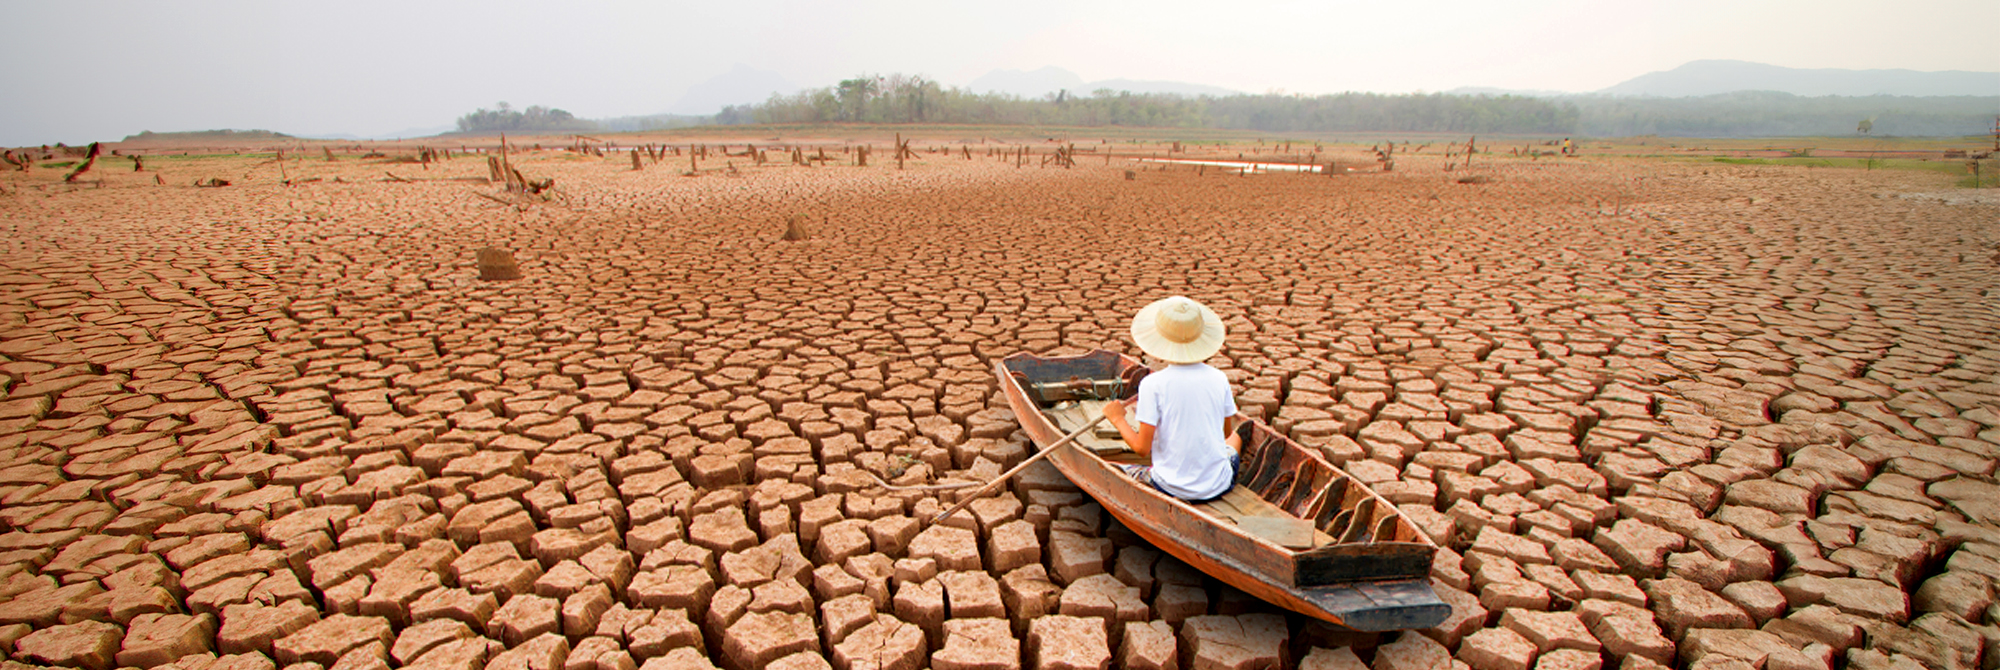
<point>1658,413</point>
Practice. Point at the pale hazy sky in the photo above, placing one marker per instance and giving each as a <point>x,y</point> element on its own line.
<point>83,70</point>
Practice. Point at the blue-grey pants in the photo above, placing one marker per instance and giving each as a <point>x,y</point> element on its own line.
<point>1145,474</point>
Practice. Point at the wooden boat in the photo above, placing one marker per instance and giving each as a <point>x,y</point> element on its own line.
<point>1295,531</point>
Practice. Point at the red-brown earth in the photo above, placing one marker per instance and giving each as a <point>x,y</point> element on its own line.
<point>1660,414</point>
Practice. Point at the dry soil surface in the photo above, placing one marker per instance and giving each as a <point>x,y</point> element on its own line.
<point>1659,414</point>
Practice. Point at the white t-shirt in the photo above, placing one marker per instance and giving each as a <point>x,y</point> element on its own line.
<point>1186,405</point>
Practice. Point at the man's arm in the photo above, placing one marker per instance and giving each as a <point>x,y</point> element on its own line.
<point>1140,439</point>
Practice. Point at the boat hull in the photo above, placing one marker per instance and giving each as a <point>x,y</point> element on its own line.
<point>1203,542</point>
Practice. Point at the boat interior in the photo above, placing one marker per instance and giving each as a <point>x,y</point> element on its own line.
<point>1282,494</point>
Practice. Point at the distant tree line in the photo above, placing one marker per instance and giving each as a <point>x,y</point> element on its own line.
<point>904,99</point>
<point>914,99</point>
<point>533,119</point>
<point>1436,112</point>
<point>1774,114</point>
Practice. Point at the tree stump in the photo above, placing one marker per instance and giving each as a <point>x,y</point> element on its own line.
<point>497,264</point>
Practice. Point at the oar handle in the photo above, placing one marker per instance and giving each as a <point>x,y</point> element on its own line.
<point>1002,479</point>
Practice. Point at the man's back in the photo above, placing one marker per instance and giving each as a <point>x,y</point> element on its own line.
<point>1187,405</point>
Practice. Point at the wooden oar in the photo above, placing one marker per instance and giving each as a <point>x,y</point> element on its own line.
<point>1004,476</point>
<point>879,481</point>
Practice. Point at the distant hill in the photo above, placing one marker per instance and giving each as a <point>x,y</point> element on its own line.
<point>626,124</point>
<point>427,131</point>
<point>1145,86</point>
<point>404,134</point>
<point>1028,83</point>
<point>1488,90</point>
<point>741,85</point>
<point>1037,83</point>
<point>1712,77</point>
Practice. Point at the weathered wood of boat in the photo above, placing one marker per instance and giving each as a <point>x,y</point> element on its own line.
<point>1295,531</point>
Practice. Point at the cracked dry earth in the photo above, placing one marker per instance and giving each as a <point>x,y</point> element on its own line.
<point>1746,418</point>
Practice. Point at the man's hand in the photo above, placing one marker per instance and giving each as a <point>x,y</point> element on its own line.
<point>1114,411</point>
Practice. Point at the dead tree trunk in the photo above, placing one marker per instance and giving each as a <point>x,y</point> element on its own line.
<point>88,160</point>
<point>506,168</point>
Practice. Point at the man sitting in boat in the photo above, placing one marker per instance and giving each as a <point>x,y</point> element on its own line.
<point>1182,409</point>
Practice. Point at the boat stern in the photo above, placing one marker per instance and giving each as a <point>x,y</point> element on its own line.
<point>1380,606</point>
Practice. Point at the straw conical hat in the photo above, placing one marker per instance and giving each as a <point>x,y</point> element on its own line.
<point>1178,330</point>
